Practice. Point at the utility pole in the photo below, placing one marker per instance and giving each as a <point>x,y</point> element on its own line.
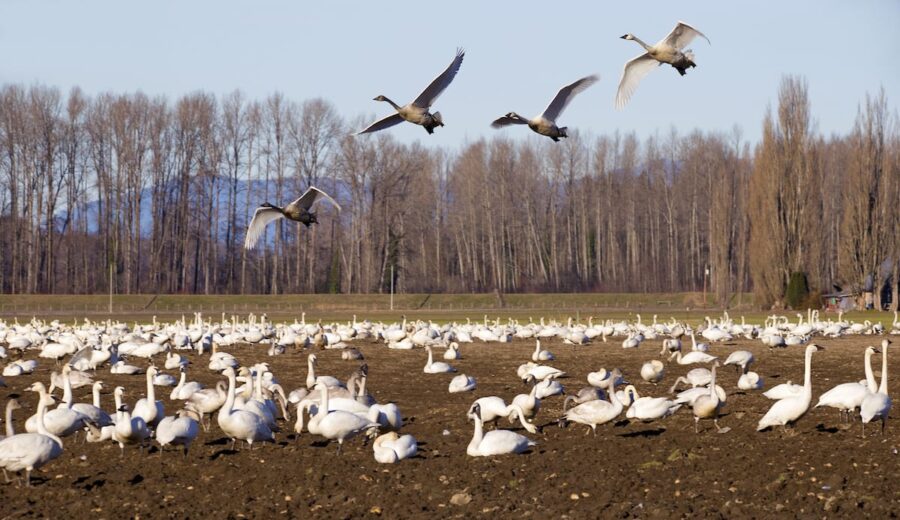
<point>705,276</point>
<point>110,287</point>
<point>392,286</point>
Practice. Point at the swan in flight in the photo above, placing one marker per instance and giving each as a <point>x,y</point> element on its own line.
<point>417,111</point>
<point>298,211</point>
<point>545,124</point>
<point>669,50</point>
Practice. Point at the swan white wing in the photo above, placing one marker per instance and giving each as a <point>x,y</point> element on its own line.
<point>682,36</point>
<point>440,83</point>
<point>311,196</point>
<point>632,74</point>
<point>381,124</point>
<point>566,95</point>
<point>263,216</point>
<point>506,121</point>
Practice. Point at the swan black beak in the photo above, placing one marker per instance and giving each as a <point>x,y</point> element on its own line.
<point>624,37</point>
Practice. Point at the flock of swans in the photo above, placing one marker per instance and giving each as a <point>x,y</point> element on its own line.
<point>671,50</point>
<point>251,405</point>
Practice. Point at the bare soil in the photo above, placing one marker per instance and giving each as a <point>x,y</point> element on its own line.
<point>659,470</point>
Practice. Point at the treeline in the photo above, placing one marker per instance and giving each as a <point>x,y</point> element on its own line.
<point>154,196</point>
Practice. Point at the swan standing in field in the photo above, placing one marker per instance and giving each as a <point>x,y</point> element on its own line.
<point>129,430</point>
<point>180,430</point>
<point>878,404</point>
<point>669,50</point>
<point>185,389</point>
<point>30,451</point>
<point>240,424</point>
<point>462,383</point>
<point>847,397</point>
<point>545,124</point>
<point>299,211</point>
<point>93,412</point>
<point>586,394</point>
<point>63,421</point>
<point>391,447</point>
<point>740,359</point>
<point>496,442</point>
<point>596,412</point>
<point>149,408</point>
<point>436,367</point>
<point>789,409</point>
<point>417,111</point>
<point>707,406</point>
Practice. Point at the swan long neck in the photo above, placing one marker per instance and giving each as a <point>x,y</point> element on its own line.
<point>229,397</point>
<point>41,427</point>
<point>361,390</point>
<point>151,391</point>
<point>257,386</point>
<point>96,394</point>
<point>10,431</point>
<point>871,384</point>
<point>807,371</point>
<point>478,435</point>
<point>712,385</point>
<point>67,390</point>
<point>883,389</point>
<point>311,375</point>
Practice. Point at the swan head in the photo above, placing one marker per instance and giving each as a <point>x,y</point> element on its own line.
<point>123,408</point>
<point>627,36</point>
<point>14,404</point>
<point>379,97</point>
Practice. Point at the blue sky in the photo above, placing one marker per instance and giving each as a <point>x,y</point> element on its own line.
<point>518,54</point>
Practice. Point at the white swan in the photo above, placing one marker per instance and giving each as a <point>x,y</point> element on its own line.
<point>452,352</point>
<point>129,429</point>
<point>240,424</point>
<point>586,394</point>
<point>391,447</point>
<point>750,381</point>
<point>603,379</point>
<point>652,371</point>
<point>789,409</point>
<point>492,408</point>
<point>669,50</point>
<point>541,355</point>
<point>93,411</point>
<point>184,390</point>
<point>596,412</point>
<point>878,404</point>
<point>208,401</point>
<point>649,408</point>
<point>530,404</point>
<point>149,408</point>
<point>695,356</point>
<point>462,383</point>
<point>439,367</point>
<point>847,397</point>
<point>496,442</point>
<point>180,430</point>
<point>707,406</point>
<point>417,111</point>
<point>540,372</point>
<point>783,391</point>
<point>122,368</point>
<point>690,395</point>
<point>336,424</point>
<point>30,451</point>
<point>741,359</point>
<point>312,379</point>
<point>62,421</point>
<point>299,211</point>
<point>545,123</point>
